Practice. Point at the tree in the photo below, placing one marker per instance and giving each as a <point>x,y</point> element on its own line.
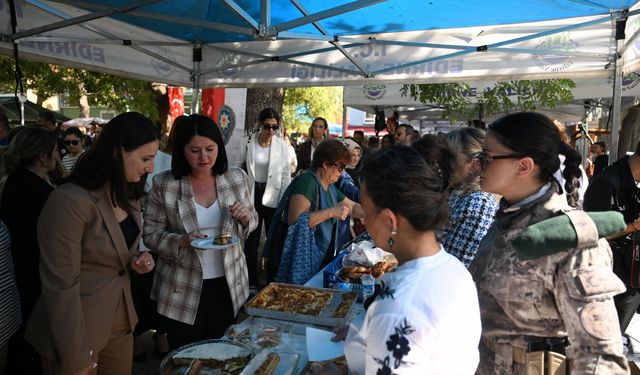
<point>456,98</point>
<point>83,87</point>
<point>302,105</point>
<point>259,99</point>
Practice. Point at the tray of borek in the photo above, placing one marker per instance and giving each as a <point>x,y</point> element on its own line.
<point>320,306</point>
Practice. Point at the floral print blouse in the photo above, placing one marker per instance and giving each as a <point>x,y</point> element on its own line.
<point>424,319</point>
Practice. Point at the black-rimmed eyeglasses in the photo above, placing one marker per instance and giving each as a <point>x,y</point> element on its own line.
<point>271,127</point>
<point>339,167</point>
<point>485,159</point>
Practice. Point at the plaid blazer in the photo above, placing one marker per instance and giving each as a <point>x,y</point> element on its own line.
<point>169,214</point>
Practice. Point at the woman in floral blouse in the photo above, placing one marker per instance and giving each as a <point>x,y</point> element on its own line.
<point>425,318</point>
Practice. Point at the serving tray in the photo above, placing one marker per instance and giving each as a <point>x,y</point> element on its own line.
<point>324,318</point>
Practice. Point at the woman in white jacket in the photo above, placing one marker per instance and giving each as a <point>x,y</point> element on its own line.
<point>268,167</point>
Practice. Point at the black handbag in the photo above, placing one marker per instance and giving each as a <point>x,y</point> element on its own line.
<point>626,259</point>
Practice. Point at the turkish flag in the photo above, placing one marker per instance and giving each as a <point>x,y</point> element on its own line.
<point>176,101</point>
<point>212,100</point>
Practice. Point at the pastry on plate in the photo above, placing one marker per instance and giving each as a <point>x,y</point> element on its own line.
<point>222,239</point>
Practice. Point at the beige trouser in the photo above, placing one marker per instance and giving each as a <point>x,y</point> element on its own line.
<point>116,358</point>
<point>518,361</point>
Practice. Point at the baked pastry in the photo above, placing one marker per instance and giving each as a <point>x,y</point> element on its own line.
<point>269,365</point>
<point>222,239</point>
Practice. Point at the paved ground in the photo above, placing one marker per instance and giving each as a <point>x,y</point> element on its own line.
<point>633,331</point>
<point>152,365</point>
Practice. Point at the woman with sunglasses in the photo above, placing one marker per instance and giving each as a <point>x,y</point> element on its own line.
<point>318,131</point>
<point>73,143</point>
<point>266,157</point>
<point>534,303</point>
<point>471,209</point>
<point>325,207</point>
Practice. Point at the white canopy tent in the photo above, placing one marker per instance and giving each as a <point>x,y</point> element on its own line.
<point>246,43</point>
<point>371,98</point>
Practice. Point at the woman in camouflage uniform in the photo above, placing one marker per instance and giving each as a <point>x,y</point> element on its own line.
<point>533,306</point>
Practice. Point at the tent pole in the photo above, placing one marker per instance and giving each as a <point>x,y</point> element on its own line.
<point>20,99</point>
<point>617,100</point>
<point>344,116</point>
<point>617,89</point>
<point>195,77</point>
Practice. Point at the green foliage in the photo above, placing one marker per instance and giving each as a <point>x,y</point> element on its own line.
<point>302,105</point>
<point>455,98</point>
<point>46,80</point>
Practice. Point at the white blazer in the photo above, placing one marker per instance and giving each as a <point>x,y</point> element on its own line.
<point>279,175</point>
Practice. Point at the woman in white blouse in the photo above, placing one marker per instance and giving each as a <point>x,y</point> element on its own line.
<point>424,317</point>
<point>267,161</point>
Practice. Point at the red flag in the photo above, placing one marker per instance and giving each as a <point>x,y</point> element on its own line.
<point>176,101</point>
<point>212,100</point>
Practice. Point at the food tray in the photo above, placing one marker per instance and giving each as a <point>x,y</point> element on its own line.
<point>325,318</point>
<point>340,362</point>
<point>286,366</point>
<point>167,366</point>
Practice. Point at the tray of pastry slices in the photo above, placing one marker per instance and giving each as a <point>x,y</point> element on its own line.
<point>272,362</point>
<point>208,357</point>
<point>327,307</point>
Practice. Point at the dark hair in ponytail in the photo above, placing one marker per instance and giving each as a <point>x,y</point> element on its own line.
<point>399,179</point>
<point>571,173</point>
<point>535,135</point>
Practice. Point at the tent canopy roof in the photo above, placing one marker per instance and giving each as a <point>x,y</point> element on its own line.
<point>379,17</point>
<point>246,43</point>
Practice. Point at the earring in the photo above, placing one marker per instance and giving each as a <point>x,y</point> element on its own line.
<point>391,241</point>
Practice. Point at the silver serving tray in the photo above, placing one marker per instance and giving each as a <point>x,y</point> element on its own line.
<point>168,367</point>
<point>325,318</point>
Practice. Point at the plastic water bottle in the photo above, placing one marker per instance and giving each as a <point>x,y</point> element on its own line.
<point>368,285</point>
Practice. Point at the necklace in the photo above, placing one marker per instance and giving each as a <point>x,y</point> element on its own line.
<point>202,187</point>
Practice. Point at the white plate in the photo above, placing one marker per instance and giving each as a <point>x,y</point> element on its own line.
<point>207,243</point>
<point>286,366</point>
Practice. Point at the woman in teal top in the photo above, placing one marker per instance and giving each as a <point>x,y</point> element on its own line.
<point>313,193</point>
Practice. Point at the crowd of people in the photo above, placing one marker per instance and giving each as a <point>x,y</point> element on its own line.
<point>498,265</point>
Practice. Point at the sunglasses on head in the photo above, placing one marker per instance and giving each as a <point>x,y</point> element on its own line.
<point>75,143</point>
<point>271,127</point>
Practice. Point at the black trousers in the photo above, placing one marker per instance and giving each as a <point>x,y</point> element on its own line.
<point>146,308</point>
<point>627,304</point>
<point>215,314</point>
<point>251,246</point>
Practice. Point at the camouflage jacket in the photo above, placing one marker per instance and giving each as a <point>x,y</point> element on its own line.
<point>566,294</point>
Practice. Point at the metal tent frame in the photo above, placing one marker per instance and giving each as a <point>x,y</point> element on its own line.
<point>264,29</point>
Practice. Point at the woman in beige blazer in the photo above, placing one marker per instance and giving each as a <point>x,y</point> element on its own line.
<point>199,291</point>
<point>88,233</point>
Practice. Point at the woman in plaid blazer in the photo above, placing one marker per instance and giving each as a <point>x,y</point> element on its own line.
<point>199,291</point>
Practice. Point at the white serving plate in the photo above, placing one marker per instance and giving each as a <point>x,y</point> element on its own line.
<point>207,243</point>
